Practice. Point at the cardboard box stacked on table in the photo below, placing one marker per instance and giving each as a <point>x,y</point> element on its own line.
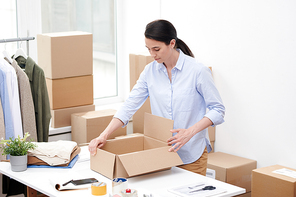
<point>232,169</point>
<point>67,61</point>
<point>274,181</point>
<point>88,125</point>
<point>137,65</point>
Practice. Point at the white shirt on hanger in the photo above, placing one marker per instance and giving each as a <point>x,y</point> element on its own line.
<point>12,86</point>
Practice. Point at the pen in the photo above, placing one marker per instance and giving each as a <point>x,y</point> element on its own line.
<point>195,186</point>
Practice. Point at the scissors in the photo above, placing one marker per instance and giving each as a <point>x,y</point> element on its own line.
<point>209,187</point>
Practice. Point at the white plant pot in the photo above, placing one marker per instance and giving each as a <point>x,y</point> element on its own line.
<point>18,163</point>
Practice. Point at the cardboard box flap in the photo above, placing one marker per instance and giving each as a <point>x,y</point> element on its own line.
<point>124,145</point>
<point>149,160</point>
<point>96,114</point>
<point>106,166</point>
<point>157,127</point>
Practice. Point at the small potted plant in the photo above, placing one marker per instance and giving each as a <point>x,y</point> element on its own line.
<point>17,149</point>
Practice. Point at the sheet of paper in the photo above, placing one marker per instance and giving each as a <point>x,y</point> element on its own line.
<point>84,155</point>
<point>195,189</point>
<point>286,172</point>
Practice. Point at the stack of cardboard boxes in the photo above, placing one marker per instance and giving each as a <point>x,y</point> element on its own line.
<point>67,61</point>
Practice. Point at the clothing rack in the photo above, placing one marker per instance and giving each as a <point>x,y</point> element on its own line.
<point>19,39</point>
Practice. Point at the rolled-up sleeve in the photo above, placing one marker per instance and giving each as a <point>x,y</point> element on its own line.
<point>136,99</point>
<point>206,87</point>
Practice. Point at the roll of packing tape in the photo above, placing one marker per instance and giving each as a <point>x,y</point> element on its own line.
<point>129,193</point>
<point>99,189</point>
<point>119,184</point>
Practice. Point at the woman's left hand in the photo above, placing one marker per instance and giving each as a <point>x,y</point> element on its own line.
<point>181,138</point>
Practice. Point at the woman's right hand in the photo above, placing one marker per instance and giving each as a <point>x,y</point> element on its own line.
<point>98,142</point>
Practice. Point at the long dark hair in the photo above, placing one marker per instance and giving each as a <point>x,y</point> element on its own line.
<point>164,31</point>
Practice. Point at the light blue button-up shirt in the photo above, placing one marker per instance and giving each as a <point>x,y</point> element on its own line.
<point>9,131</point>
<point>186,99</point>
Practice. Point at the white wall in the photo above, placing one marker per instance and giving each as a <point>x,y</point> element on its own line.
<point>251,46</point>
<point>7,20</point>
<point>29,24</point>
<point>132,17</point>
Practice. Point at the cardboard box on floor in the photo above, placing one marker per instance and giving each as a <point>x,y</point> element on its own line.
<point>212,133</point>
<point>212,137</point>
<point>232,169</point>
<point>267,183</point>
<point>70,92</point>
<point>137,154</point>
<point>88,125</point>
<point>65,54</point>
<point>137,65</point>
<point>213,147</point>
<point>62,117</point>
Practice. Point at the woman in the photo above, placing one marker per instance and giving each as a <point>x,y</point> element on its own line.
<point>180,89</point>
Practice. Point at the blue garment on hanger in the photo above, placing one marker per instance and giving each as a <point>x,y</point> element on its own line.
<point>6,106</point>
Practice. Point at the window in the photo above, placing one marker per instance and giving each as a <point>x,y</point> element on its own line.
<point>8,23</point>
<point>94,16</point>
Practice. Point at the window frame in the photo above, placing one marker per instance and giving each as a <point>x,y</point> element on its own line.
<point>29,23</point>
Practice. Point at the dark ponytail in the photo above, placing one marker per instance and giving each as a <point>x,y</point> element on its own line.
<point>164,31</point>
<point>181,45</point>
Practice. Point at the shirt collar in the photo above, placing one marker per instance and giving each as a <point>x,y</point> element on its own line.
<point>179,64</point>
<point>180,61</point>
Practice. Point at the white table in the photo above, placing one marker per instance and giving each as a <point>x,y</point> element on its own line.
<point>155,183</point>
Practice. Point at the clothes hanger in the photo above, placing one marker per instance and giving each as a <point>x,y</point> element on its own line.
<point>20,52</point>
<point>5,53</point>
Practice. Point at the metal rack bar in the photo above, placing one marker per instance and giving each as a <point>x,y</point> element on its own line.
<point>16,39</point>
<point>19,39</point>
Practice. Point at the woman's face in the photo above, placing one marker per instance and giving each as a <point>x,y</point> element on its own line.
<point>159,50</point>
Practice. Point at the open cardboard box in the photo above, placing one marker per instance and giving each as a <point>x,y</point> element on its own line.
<point>137,154</point>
